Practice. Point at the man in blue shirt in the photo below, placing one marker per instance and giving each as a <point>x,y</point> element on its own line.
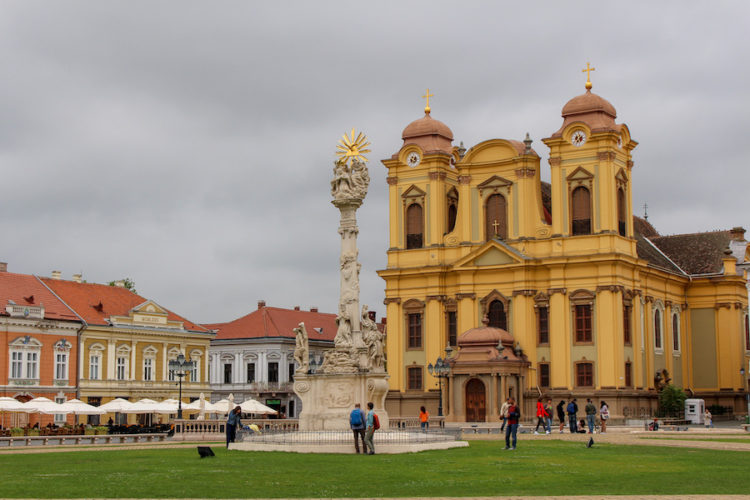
<point>357,423</point>
<point>370,429</point>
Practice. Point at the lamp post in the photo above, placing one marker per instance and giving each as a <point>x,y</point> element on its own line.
<point>180,367</point>
<point>440,370</point>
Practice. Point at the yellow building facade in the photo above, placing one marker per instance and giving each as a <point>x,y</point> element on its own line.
<point>596,301</point>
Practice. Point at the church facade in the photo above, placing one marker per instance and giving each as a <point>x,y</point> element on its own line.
<point>596,303</point>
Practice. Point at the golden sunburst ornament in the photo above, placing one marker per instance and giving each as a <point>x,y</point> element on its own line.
<point>352,147</point>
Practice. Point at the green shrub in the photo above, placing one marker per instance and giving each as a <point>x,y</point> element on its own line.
<point>16,431</point>
<point>101,430</point>
<point>672,400</point>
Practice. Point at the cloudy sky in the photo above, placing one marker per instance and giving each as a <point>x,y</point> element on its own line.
<point>189,145</point>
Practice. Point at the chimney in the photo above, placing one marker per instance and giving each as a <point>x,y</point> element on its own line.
<point>737,233</point>
<point>314,309</point>
<point>3,267</point>
<point>296,308</point>
<point>77,277</point>
<point>372,315</point>
<point>56,275</point>
<point>261,304</point>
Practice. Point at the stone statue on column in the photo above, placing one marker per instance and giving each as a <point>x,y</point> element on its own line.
<point>301,349</point>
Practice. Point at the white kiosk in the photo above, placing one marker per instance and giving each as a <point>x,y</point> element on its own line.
<point>694,409</point>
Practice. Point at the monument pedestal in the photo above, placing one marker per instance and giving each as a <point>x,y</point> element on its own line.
<point>328,398</point>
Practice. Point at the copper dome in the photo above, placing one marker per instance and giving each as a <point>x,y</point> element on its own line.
<point>593,110</point>
<point>485,335</point>
<point>429,134</point>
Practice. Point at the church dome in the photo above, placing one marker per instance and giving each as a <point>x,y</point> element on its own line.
<point>429,134</point>
<point>485,336</point>
<point>593,110</point>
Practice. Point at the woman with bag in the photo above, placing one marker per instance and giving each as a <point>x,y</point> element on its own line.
<point>604,415</point>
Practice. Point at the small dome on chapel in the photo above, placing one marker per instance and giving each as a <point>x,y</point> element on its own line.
<point>429,134</point>
<point>593,110</point>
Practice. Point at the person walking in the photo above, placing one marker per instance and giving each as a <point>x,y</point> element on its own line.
<point>357,423</point>
<point>604,415</point>
<point>541,416</point>
<point>548,419</point>
<point>370,432</point>
<point>708,419</point>
<point>424,419</point>
<point>561,414</point>
<point>514,414</point>
<point>504,414</point>
<point>572,410</point>
<point>590,410</point>
<point>233,421</point>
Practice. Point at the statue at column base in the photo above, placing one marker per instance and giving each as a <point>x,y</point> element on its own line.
<point>339,361</point>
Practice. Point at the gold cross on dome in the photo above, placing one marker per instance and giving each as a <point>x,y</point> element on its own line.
<point>427,96</point>
<point>495,225</point>
<point>588,71</point>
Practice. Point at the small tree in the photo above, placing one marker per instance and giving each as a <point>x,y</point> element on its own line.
<point>127,283</point>
<point>672,400</point>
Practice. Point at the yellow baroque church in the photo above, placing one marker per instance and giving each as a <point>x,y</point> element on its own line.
<point>532,289</point>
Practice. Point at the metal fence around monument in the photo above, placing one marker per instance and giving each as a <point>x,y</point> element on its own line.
<point>335,437</point>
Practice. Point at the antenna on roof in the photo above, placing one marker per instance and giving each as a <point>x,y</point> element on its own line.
<point>645,211</point>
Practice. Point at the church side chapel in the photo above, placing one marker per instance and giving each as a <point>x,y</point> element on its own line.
<point>556,289</point>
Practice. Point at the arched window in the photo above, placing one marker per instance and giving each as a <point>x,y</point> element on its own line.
<point>495,217</point>
<point>581,211</point>
<point>747,333</point>
<point>676,332</point>
<point>657,329</point>
<point>414,226</point>
<point>621,212</point>
<point>452,201</point>
<point>496,315</point>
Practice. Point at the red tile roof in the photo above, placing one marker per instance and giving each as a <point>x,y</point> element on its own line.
<point>27,290</point>
<point>277,322</point>
<point>84,299</point>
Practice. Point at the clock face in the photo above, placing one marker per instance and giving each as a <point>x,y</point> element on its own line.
<point>413,159</point>
<point>578,138</point>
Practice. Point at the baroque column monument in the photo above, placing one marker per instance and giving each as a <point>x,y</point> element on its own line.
<point>353,371</point>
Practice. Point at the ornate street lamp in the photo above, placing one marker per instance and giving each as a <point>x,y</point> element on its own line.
<point>441,369</point>
<point>181,367</point>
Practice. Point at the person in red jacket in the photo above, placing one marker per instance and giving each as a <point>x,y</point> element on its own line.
<point>514,414</point>
<point>541,416</point>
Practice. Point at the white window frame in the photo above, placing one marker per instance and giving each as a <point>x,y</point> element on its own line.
<point>171,356</point>
<point>27,351</point>
<point>61,365</point>
<point>149,365</point>
<point>96,352</point>
<point>60,419</point>
<point>121,364</point>
<point>16,364</point>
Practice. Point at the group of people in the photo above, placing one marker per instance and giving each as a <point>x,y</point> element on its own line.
<point>544,415</point>
<point>364,427</point>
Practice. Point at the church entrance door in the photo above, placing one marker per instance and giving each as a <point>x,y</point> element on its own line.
<point>475,401</point>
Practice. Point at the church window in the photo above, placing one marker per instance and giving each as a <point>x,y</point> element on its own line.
<point>621,212</point>
<point>584,374</point>
<point>581,211</point>
<point>543,325</point>
<point>627,311</point>
<point>583,323</point>
<point>452,327</point>
<point>250,373</point>
<point>628,374</point>
<point>495,217</point>
<point>415,330</point>
<point>414,378</point>
<point>273,372</point>
<point>414,226</point>
<point>657,329</point>
<point>452,209</point>
<point>543,374</point>
<point>227,373</point>
<point>676,332</point>
<point>496,315</point>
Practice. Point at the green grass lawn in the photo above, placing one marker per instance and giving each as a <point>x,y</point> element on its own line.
<point>738,439</point>
<point>482,469</point>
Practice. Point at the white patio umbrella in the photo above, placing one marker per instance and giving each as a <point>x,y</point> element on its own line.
<point>143,406</point>
<point>46,406</point>
<point>221,406</point>
<point>78,407</point>
<point>255,406</point>
<point>117,405</point>
<point>10,405</point>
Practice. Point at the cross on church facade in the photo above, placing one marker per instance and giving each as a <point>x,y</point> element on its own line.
<point>588,71</point>
<point>495,225</point>
<point>427,96</point>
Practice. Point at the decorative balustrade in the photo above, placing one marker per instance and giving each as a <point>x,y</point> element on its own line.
<point>414,423</point>
<point>197,430</point>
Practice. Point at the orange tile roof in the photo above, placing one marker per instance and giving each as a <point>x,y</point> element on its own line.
<point>277,322</point>
<point>115,301</point>
<point>27,290</point>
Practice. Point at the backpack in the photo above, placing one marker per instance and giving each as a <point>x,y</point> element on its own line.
<point>571,408</point>
<point>355,418</point>
<point>375,421</point>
